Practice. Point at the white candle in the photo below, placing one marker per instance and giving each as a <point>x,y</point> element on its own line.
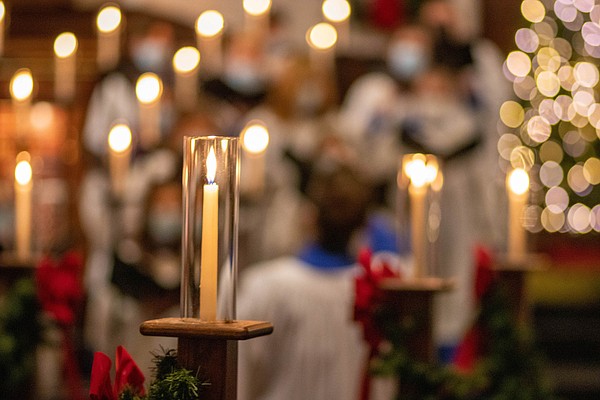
<point>185,63</point>
<point>65,55</point>
<point>23,187</point>
<point>2,18</point>
<point>338,13</point>
<point>21,90</point>
<point>257,15</point>
<point>322,38</point>
<point>108,23</point>
<point>210,242</point>
<point>148,90</point>
<point>517,183</point>
<point>255,139</point>
<point>119,143</point>
<point>209,33</point>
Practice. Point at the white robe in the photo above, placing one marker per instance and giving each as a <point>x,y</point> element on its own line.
<point>316,350</point>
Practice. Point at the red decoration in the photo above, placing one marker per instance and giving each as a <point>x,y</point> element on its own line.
<point>368,298</point>
<point>387,14</point>
<point>127,375</point>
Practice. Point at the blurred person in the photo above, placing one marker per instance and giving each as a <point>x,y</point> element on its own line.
<point>316,350</point>
<point>297,113</point>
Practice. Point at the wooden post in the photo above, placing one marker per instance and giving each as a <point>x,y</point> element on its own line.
<point>209,347</point>
<point>412,303</point>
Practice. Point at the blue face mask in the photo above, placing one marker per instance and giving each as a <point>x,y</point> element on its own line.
<point>406,60</point>
<point>151,56</point>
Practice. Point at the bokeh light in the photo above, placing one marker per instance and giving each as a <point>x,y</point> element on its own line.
<point>108,19</point>
<point>533,10</point>
<point>552,221</point>
<point>527,40</point>
<point>551,174</point>
<point>539,129</point>
<point>512,114</point>
<point>591,170</point>
<point>522,157</point>
<point>551,151</point>
<point>518,63</point>
<point>210,23</point>
<point>576,179</point>
<point>557,199</point>
<point>578,218</point>
<point>548,83</point>
<point>586,74</point>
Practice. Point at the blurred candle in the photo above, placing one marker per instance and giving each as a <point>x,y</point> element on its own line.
<point>210,241</point>
<point>119,144</point>
<point>255,139</point>
<point>65,60</point>
<point>185,63</point>
<point>108,23</point>
<point>257,15</point>
<point>209,32</point>
<point>322,38</point>
<point>23,187</point>
<point>21,90</point>
<point>338,13</point>
<point>148,90</point>
<point>517,183</point>
<point>2,18</point>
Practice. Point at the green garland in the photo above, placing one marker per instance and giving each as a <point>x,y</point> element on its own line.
<point>20,329</point>
<point>171,381</point>
<point>509,370</point>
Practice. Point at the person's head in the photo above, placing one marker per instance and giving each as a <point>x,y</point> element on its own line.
<point>244,63</point>
<point>409,53</point>
<point>341,197</point>
<point>151,45</point>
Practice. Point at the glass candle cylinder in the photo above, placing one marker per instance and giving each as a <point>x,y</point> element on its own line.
<point>210,227</point>
<point>419,213</point>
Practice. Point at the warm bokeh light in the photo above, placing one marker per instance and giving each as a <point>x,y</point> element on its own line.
<point>65,44</point>
<point>527,40</point>
<point>23,172</point>
<point>549,59</point>
<point>552,221</point>
<point>210,23</point>
<point>256,7</point>
<point>548,83</point>
<point>518,63</point>
<point>551,151</point>
<point>551,174</point>
<point>42,115</point>
<point>565,11</point>
<point>557,199</point>
<point>506,144</point>
<point>2,10</point>
<point>590,31</point>
<point>533,10</point>
<point>255,137</point>
<point>586,74</point>
<point>420,171</point>
<point>578,218</point>
<point>322,36</point>
<point>518,181</point>
<point>591,170</point>
<point>522,157</point>
<point>584,5</point>
<point>595,218</point>
<point>109,19</point>
<point>524,87</point>
<point>148,88</point>
<point>512,114</point>
<point>336,10</point>
<point>576,179</point>
<point>119,138</point>
<point>186,59</point>
<point>21,85</point>
<point>539,129</point>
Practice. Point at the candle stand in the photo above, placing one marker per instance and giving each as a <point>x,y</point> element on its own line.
<point>411,303</point>
<point>210,346</point>
<point>512,275</point>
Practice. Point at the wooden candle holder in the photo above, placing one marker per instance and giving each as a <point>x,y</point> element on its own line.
<point>210,347</point>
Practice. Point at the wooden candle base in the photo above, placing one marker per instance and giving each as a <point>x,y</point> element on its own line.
<point>209,347</point>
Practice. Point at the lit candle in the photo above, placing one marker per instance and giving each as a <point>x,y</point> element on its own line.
<point>65,51</point>
<point>517,183</point>
<point>209,32</point>
<point>21,89</point>
<point>257,15</point>
<point>185,63</point>
<point>148,90</point>
<point>210,242</point>
<point>255,139</point>
<point>2,18</point>
<point>108,23</point>
<point>338,13</point>
<point>119,143</point>
<point>23,187</point>
<point>322,38</point>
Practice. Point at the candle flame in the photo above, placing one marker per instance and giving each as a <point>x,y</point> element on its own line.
<point>336,10</point>
<point>21,85</point>
<point>211,166</point>
<point>322,36</point>
<point>210,23</point>
<point>256,7</point>
<point>23,172</point>
<point>148,88</point>
<point>119,138</point>
<point>186,59</point>
<point>2,10</point>
<point>65,44</point>
<point>109,19</point>
<point>255,138</point>
<point>518,181</point>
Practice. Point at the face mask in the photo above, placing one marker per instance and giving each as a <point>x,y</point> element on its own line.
<point>406,60</point>
<point>164,228</point>
<point>243,77</point>
<point>151,56</point>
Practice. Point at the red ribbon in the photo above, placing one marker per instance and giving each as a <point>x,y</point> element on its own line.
<point>471,348</point>
<point>127,375</point>
<point>368,298</point>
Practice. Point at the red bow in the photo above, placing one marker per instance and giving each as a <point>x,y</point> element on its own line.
<point>367,300</point>
<point>471,347</point>
<point>128,375</point>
